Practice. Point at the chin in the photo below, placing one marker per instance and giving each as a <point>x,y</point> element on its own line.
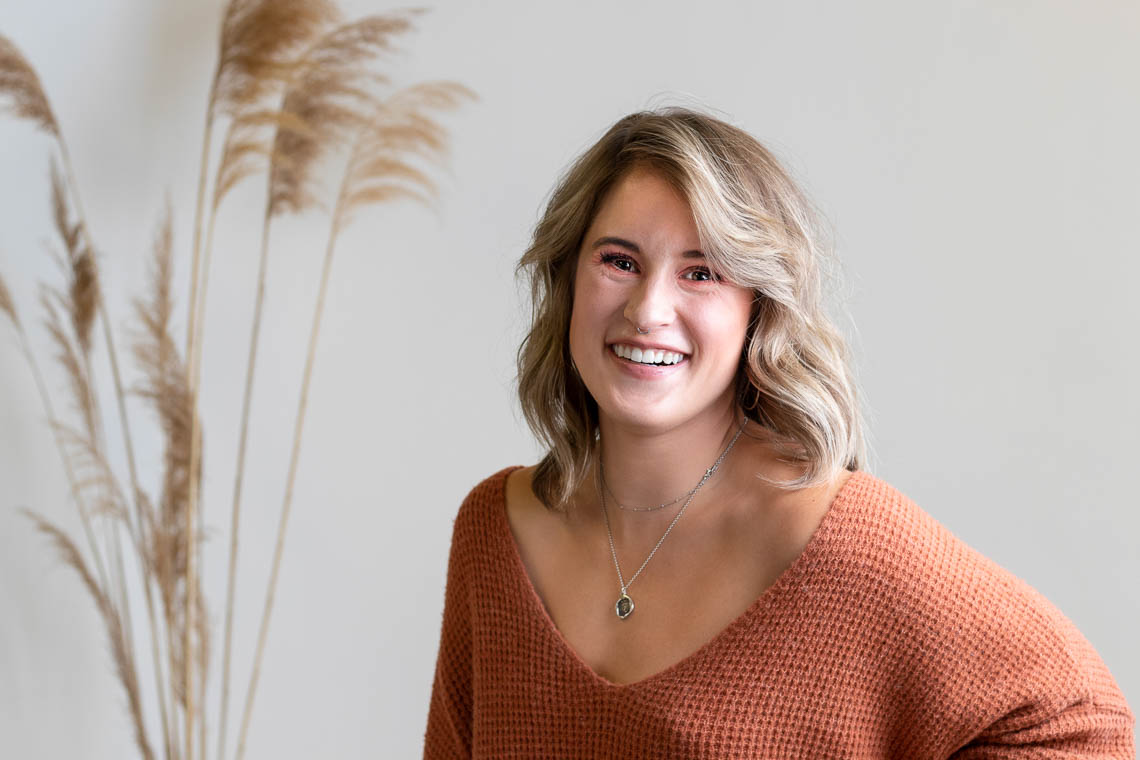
<point>639,416</point>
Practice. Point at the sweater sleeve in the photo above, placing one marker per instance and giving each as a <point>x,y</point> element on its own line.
<point>1080,729</point>
<point>448,732</point>
<point>990,668</point>
<point>1076,711</point>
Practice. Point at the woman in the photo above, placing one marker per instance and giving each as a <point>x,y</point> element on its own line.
<point>699,567</point>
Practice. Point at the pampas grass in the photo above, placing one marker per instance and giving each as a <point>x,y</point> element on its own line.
<point>294,88</point>
<point>24,93</point>
<point>123,658</point>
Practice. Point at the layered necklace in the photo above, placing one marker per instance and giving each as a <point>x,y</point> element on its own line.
<point>624,605</point>
<point>625,508</point>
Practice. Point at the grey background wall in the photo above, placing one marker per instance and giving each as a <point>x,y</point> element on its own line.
<point>977,163</point>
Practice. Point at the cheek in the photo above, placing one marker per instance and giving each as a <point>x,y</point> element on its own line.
<point>579,321</point>
<point>575,326</point>
<point>590,305</point>
<point>728,315</point>
<point>725,324</point>
<point>740,311</point>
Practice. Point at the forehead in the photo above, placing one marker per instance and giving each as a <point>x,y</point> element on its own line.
<point>645,208</point>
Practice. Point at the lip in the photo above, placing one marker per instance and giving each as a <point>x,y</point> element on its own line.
<point>645,371</point>
<point>645,344</point>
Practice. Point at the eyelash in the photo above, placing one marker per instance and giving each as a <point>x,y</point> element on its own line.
<point>610,258</point>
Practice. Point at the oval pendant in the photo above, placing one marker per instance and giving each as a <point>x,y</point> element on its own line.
<point>624,606</point>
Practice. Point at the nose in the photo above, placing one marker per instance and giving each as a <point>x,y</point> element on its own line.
<point>651,303</point>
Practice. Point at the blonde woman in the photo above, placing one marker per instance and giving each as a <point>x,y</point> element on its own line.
<point>700,566</point>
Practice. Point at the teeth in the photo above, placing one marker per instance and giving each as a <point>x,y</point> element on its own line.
<point>646,356</point>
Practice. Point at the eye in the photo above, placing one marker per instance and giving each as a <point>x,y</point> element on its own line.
<point>702,274</point>
<point>619,260</point>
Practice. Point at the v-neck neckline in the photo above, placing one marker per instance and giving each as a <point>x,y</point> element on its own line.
<point>783,585</point>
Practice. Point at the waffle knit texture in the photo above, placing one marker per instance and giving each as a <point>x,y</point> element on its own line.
<point>888,637</point>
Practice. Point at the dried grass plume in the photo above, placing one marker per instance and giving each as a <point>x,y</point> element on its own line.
<point>20,83</point>
<point>120,651</point>
<point>333,95</point>
<point>292,86</point>
<point>7,305</point>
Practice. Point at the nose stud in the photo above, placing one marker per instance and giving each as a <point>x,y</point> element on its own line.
<point>642,332</point>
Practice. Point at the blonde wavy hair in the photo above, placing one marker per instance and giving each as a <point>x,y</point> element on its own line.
<point>757,230</point>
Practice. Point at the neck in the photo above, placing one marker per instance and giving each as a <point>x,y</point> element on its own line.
<point>646,469</point>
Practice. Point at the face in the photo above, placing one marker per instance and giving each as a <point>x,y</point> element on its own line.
<point>640,265</point>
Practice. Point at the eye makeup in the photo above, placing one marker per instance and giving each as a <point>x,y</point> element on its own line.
<point>611,258</point>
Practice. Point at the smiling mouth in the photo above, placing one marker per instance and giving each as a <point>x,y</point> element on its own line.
<point>647,358</point>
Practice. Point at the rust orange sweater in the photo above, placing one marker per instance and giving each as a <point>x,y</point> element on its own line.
<point>888,637</point>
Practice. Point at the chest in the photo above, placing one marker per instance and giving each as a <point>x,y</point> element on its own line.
<point>698,584</point>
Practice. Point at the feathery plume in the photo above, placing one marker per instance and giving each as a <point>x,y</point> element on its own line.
<point>79,267</point>
<point>379,169</point>
<point>7,305</point>
<point>247,149</point>
<point>332,94</point>
<point>154,315</point>
<point>164,376</point>
<point>68,232</point>
<point>260,42</point>
<point>20,83</point>
<point>259,39</point>
<point>93,473</point>
<point>69,358</point>
<point>164,385</point>
<point>120,652</point>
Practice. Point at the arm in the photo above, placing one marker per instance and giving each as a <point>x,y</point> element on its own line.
<point>1076,710</point>
<point>448,732</point>
<point>1077,728</point>
<point>1061,702</point>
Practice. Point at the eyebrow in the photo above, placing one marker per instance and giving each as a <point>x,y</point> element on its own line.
<point>610,240</point>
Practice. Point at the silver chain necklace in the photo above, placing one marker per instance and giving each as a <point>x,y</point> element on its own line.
<point>624,605</point>
<point>624,508</point>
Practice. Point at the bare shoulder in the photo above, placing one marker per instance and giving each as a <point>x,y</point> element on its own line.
<point>536,528</point>
<point>523,507</point>
<point>519,493</point>
<point>806,505</point>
